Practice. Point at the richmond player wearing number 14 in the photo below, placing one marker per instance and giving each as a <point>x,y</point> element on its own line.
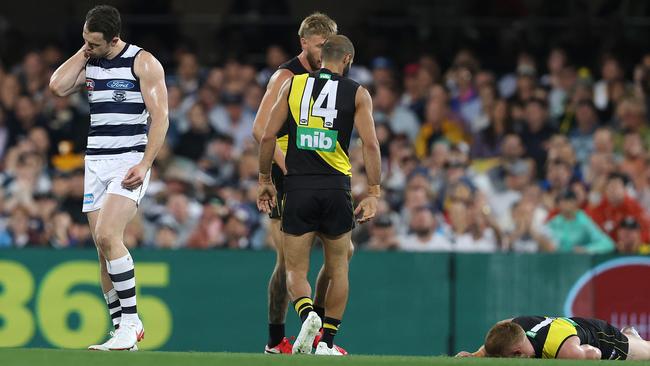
<point>320,109</point>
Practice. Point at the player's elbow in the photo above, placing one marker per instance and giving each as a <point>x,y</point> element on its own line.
<point>371,146</point>
<point>266,138</point>
<point>56,88</point>
<point>257,133</point>
<point>592,353</point>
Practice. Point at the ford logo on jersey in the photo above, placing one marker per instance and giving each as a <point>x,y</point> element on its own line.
<point>120,84</point>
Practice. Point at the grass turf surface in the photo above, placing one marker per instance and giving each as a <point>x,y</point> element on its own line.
<point>52,357</point>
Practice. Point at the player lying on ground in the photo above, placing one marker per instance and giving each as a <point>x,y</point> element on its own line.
<point>568,338</point>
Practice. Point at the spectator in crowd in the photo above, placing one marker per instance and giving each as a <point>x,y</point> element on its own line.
<point>471,229</point>
<point>631,115</point>
<point>187,77</point>
<point>616,205</point>
<point>573,231</point>
<point>465,100</point>
<point>437,126</point>
<point>382,235</point>
<point>479,145</point>
<point>517,177</point>
<point>629,238</point>
<point>633,162</point>
<point>386,110</point>
<point>237,229</point>
<point>582,136</point>
<point>417,81</point>
<point>425,235</point>
<point>234,120</point>
<point>192,144</point>
<point>181,216</point>
<point>275,56</point>
<point>536,131</point>
<point>610,73</point>
<point>487,141</point>
<point>528,235</point>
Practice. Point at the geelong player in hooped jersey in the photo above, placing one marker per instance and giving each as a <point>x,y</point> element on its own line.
<point>128,122</point>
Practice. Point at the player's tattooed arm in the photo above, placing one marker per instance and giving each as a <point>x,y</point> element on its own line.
<point>71,75</point>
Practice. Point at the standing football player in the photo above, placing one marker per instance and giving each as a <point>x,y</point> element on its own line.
<point>313,32</point>
<point>128,122</point>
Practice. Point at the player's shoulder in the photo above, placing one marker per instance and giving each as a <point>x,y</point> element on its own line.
<point>294,66</point>
<point>279,77</point>
<point>145,56</point>
<point>146,62</point>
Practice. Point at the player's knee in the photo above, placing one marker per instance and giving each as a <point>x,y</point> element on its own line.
<point>104,239</point>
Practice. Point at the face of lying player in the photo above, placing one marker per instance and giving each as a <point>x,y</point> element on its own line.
<point>313,45</point>
<point>96,45</point>
<point>523,349</point>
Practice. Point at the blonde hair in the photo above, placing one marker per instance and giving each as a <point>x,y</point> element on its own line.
<point>502,337</point>
<point>317,24</point>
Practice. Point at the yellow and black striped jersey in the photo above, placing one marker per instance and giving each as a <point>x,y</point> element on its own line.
<point>322,106</point>
<point>547,334</point>
<point>295,66</point>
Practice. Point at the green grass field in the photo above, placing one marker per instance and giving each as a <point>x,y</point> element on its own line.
<point>50,357</point>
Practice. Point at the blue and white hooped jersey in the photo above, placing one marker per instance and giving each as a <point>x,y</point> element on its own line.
<point>118,116</point>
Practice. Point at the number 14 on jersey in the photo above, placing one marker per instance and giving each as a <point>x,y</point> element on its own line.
<point>329,113</point>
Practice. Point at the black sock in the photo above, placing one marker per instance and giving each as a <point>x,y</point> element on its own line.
<point>320,311</point>
<point>330,328</point>
<point>276,334</point>
<point>303,306</point>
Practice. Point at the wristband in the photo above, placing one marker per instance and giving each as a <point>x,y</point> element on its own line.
<point>374,191</point>
<point>264,178</point>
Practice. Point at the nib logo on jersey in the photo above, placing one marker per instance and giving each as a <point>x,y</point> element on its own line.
<point>614,291</point>
<point>316,139</point>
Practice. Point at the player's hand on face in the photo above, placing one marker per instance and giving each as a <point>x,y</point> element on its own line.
<point>367,209</point>
<point>266,197</point>
<point>85,51</point>
<point>135,176</point>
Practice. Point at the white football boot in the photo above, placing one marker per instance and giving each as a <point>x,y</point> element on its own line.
<point>323,350</point>
<point>105,346</point>
<point>126,336</point>
<point>308,331</point>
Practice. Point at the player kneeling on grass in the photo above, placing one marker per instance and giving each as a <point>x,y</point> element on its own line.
<point>567,338</point>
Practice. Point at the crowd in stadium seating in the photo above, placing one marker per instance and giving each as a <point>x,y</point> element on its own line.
<point>552,157</point>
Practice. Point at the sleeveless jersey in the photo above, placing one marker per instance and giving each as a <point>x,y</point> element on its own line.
<point>548,334</point>
<point>118,116</point>
<point>322,106</point>
<point>295,66</point>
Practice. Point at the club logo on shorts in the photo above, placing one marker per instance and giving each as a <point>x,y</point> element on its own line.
<point>119,95</point>
<point>89,199</point>
<point>120,84</point>
<point>613,291</point>
<point>316,139</point>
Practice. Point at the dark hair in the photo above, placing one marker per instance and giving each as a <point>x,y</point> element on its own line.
<point>617,176</point>
<point>336,47</point>
<point>104,19</point>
